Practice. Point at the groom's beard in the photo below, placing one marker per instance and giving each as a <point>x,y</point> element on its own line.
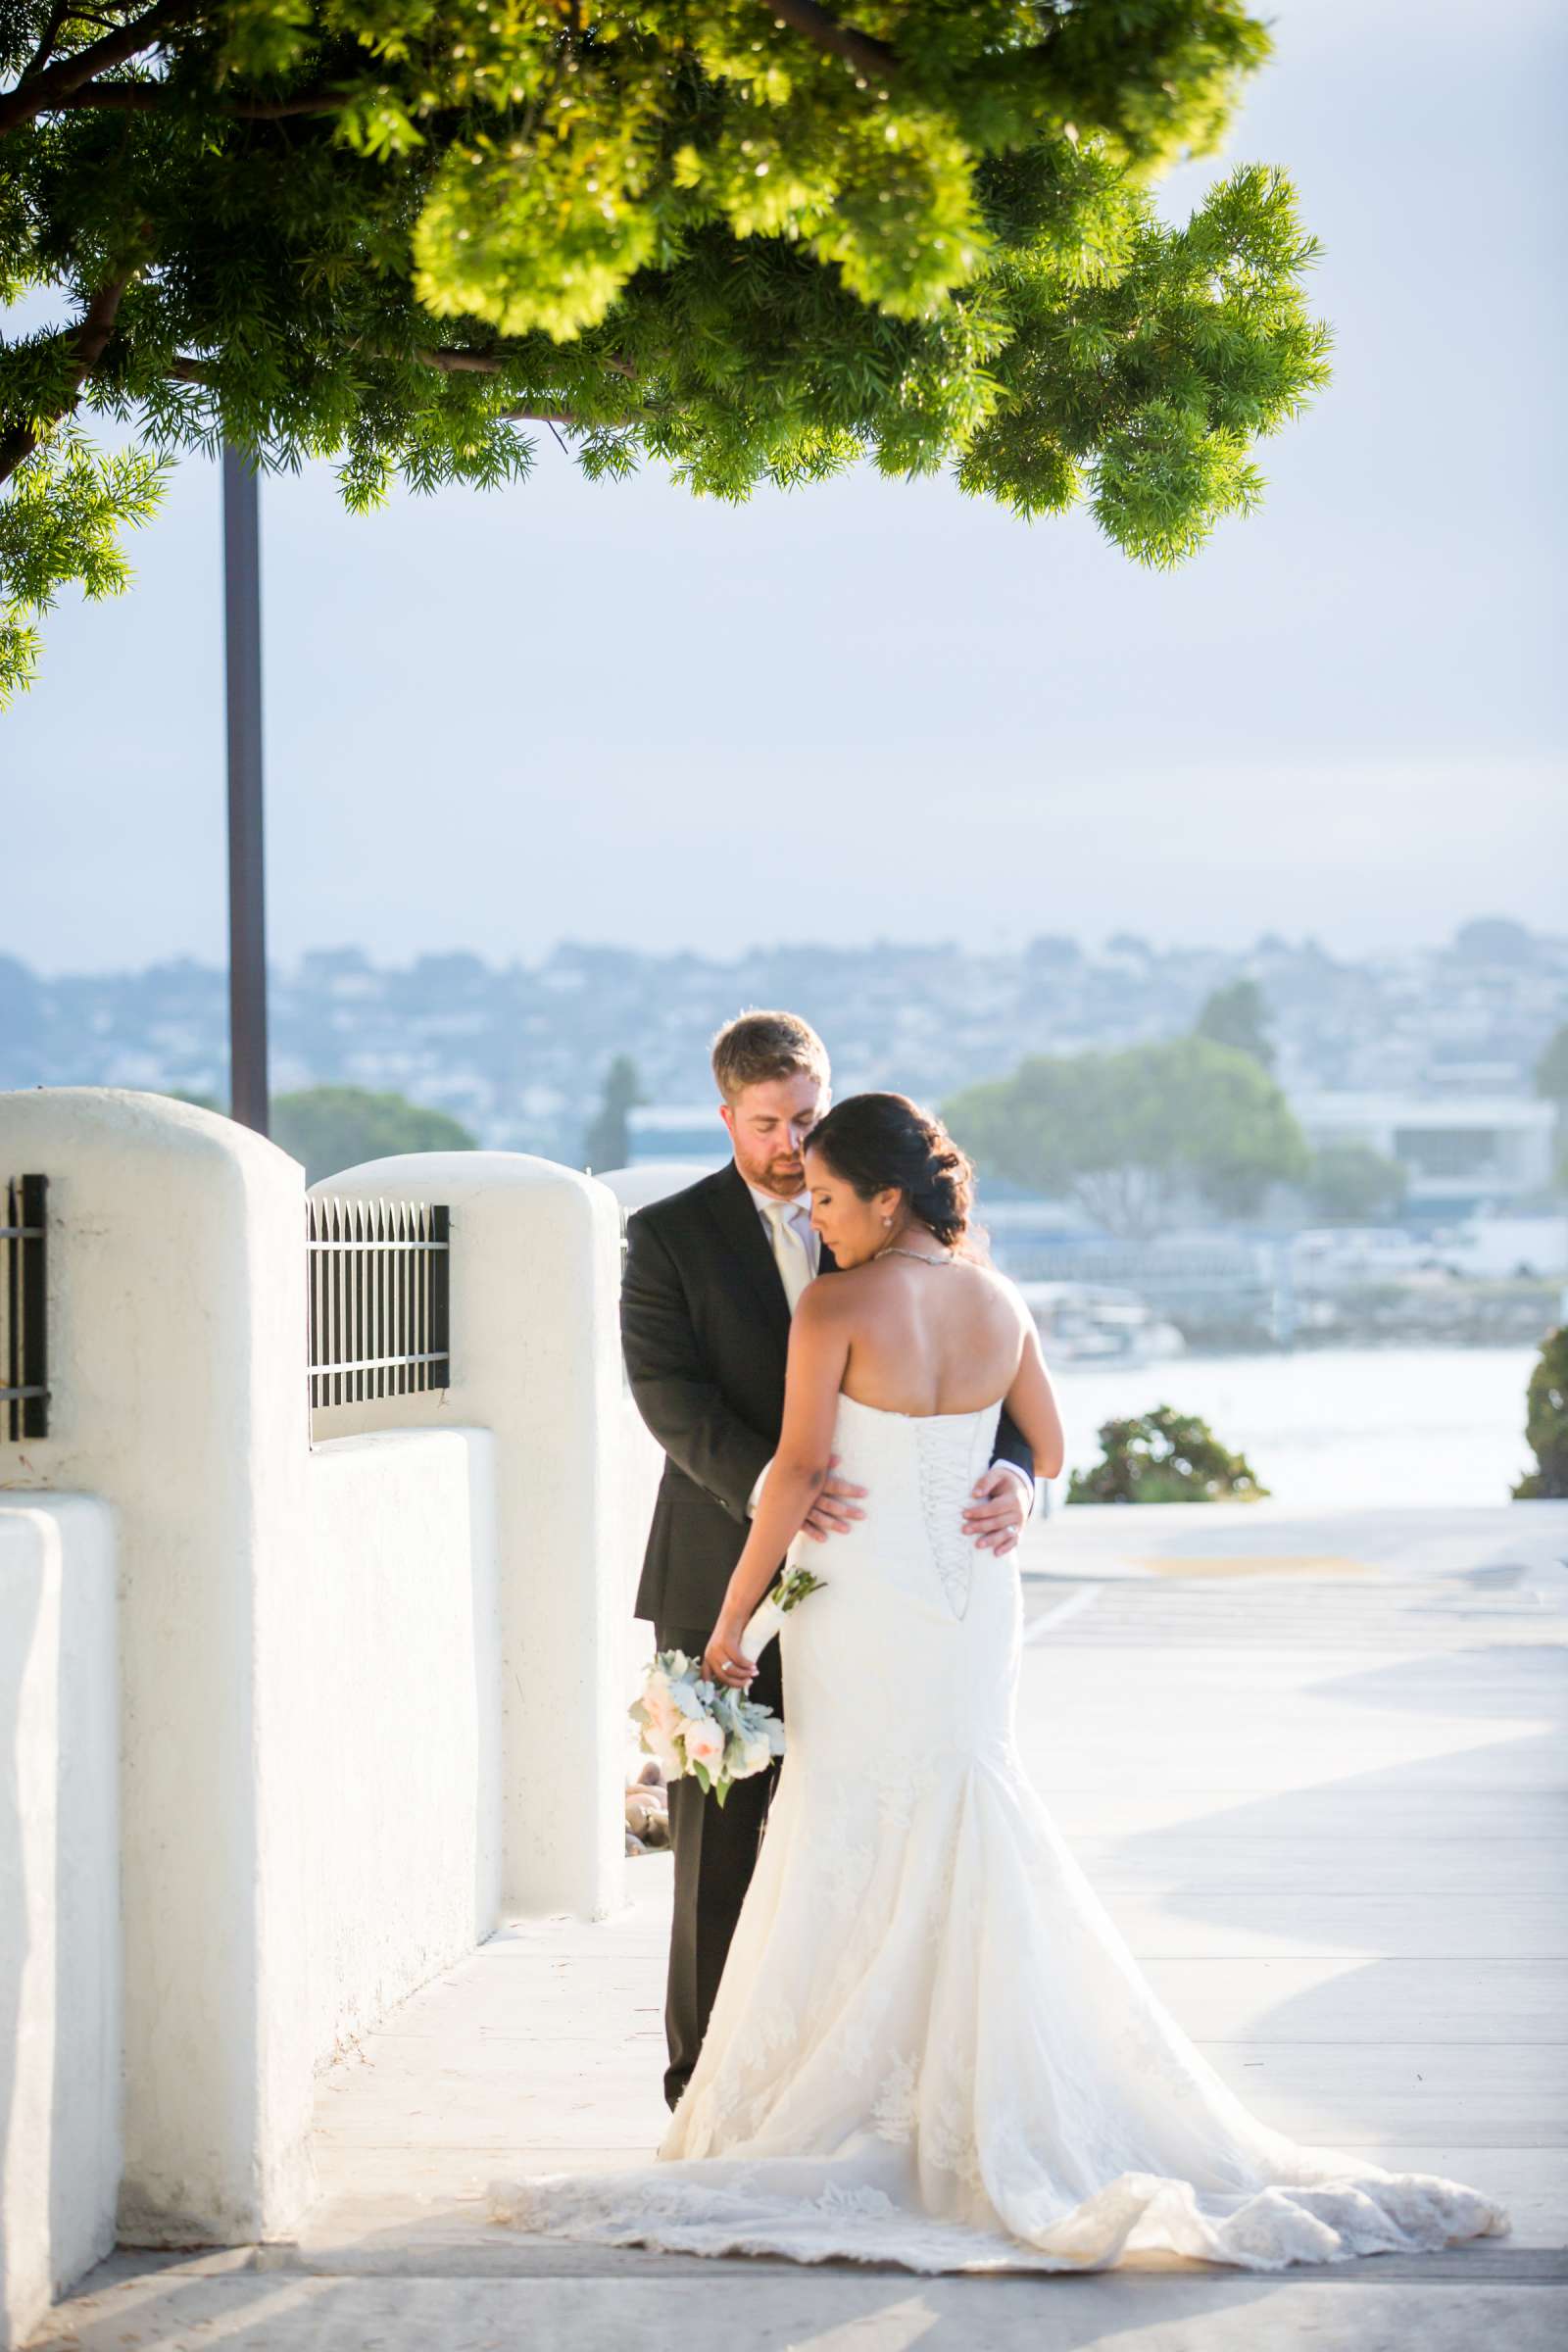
<point>785,1180</point>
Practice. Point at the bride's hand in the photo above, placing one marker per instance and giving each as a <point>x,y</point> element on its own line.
<point>723,1660</point>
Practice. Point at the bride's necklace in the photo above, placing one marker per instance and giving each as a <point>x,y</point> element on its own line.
<point>897,1249</point>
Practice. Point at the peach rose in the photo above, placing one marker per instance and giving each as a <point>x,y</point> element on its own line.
<point>702,1740</point>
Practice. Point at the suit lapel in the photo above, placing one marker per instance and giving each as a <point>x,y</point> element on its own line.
<point>734,1212</point>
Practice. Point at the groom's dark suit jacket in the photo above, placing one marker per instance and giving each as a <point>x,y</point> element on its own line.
<point>706,1327</point>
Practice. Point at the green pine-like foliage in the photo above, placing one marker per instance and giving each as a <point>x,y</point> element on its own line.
<point>1547,1422</point>
<point>756,240</point>
<point>1164,1456</point>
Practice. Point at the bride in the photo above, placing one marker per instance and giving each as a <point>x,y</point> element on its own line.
<point>930,2045</point>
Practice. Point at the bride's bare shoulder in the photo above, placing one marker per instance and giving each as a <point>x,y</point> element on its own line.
<point>998,1284</point>
<point>844,1285</point>
<point>1001,1297</point>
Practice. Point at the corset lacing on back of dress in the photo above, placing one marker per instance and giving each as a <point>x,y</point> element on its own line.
<point>942,1452</point>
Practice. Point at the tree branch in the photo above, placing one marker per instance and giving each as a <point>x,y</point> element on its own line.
<point>147,97</point>
<point>479,362</point>
<point>88,344</point>
<point>109,97</point>
<point>565,416</point>
<point>459,363</point>
<point>823,31</point>
<point>185,371</point>
<point>37,93</point>
<point>47,39</point>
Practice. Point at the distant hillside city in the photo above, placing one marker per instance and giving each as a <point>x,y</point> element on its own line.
<point>520,1053</point>
<point>1407,1184</point>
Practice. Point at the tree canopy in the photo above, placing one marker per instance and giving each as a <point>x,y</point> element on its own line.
<point>335,1127</point>
<point>607,1143</point>
<point>1350,1183</point>
<point>1164,1456</point>
<point>1238,1014</point>
<point>1547,1421</point>
<point>755,240</point>
<point>1552,1068</point>
<point>1125,1133</point>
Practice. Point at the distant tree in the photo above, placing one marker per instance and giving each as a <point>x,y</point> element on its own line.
<point>457,973</point>
<point>1052,952</point>
<point>1164,1456</point>
<point>1494,939</point>
<point>1350,1183</point>
<point>1552,1069</point>
<point>751,243</point>
<point>607,1142</point>
<point>335,1127</point>
<point>1547,1422</point>
<point>1237,1015</point>
<point>1124,1133</point>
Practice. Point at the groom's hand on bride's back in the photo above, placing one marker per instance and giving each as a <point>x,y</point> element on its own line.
<point>835,1511</point>
<point>997,1510</point>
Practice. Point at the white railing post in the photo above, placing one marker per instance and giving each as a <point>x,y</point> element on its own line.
<point>534,1269</point>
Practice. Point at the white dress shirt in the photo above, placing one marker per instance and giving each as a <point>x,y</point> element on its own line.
<point>799,1211</point>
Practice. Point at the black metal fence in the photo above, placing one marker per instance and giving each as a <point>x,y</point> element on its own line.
<point>381,1322</point>
<point>23,1309</point>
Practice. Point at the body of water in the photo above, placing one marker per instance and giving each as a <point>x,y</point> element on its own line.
<point>1353,1426</point>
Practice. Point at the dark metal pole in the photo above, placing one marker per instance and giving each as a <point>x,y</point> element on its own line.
<point>247,913</point>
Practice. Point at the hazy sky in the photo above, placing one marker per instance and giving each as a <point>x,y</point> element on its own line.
<point>612,712</point>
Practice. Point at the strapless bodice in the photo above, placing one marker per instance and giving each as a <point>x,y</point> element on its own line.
<point>919,1470</point>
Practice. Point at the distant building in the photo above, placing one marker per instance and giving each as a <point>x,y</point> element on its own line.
<point>1459,1153</point>
<point>659,1131</point>
<point>1027,1237</point>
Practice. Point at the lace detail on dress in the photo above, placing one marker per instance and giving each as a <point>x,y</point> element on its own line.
<point>896,2108</point>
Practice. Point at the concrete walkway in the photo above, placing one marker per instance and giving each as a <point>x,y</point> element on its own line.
<point>1314,1765</point>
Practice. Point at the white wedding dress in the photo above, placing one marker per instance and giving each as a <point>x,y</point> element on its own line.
<point>931,2046</point>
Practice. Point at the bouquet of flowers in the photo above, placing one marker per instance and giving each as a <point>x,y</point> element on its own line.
<point>691,1724</point>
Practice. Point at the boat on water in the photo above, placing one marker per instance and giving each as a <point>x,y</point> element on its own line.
<point>1098,1323</point>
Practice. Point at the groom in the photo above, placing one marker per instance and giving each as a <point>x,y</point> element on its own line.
<point>713,1275</point>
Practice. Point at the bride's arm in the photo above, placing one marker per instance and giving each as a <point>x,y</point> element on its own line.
<point>820,1350</point>
<point>1032,1403</point>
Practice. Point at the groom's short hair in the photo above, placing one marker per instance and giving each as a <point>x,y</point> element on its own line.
<point>759,1045</point>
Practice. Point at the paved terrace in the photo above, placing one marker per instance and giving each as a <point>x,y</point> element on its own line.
<point>1314,1765</point>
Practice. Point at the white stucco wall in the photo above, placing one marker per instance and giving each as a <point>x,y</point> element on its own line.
<point>535,1271</point>
<point>177,1316</point>
<point>366,1693</point>
<point>399,1724</point>
<point>60,1985</point>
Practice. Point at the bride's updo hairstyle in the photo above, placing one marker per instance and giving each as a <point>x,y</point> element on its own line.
<point>875,1142</point>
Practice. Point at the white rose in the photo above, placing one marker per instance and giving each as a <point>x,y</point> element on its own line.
<point>660,1707</point>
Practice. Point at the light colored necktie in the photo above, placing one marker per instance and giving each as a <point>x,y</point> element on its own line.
<point>793,1265</point>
